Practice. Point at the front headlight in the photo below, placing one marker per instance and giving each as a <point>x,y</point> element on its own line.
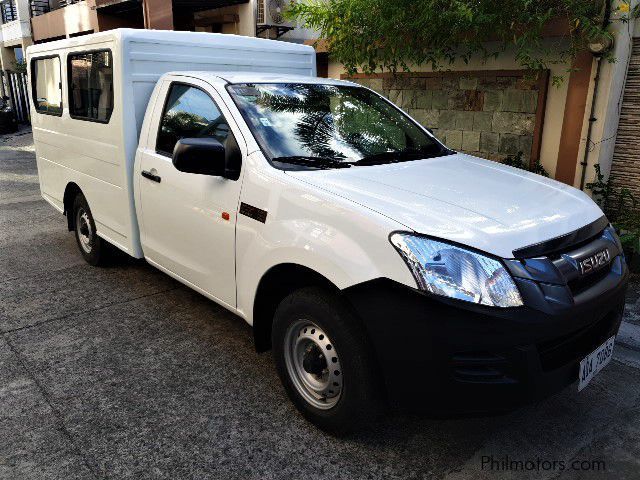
<point>451,271</point>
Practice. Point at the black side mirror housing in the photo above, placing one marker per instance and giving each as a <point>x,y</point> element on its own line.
<point>207,156</point>
<point>203,156</point>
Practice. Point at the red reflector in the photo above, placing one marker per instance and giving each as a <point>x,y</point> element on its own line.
<point>225,216</point>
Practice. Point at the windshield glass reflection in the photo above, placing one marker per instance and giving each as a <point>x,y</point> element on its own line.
<point>330,126</point>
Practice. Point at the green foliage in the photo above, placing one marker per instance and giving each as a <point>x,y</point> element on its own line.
<point>607,197</point>
<point>20,66</point>
<point>621,208</point>
<point>518,162</point>
<point>628,226</point>
<point>395,35</point>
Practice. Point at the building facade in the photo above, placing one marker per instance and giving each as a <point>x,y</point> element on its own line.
<point>493,109</point>
<point>15,32</point>
<point>55,19</point>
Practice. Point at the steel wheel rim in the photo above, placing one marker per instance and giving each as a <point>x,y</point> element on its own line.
<point>84,230</point>
<point>307,347</point>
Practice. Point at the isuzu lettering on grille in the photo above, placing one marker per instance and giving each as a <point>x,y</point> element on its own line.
<point>594,262</point>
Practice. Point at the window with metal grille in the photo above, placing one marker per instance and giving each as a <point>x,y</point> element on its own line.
<point>39,7</point>
<point>8,11</point>
<point>260,13</point>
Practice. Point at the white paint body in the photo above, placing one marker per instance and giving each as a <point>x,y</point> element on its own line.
<point>99,157</point>
<point>335,222</point>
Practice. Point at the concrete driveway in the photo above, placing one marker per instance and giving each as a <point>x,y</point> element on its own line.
<point>123,373</point>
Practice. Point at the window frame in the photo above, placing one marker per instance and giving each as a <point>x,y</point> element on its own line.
<point>34,84</point>
<point>164,109</point>
<point>113,93</point>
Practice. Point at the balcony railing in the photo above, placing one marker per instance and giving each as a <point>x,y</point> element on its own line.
<point>8,11</point>
<point>39,7</point>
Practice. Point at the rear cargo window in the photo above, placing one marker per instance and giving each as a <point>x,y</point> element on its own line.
<point>47,89</point>
<point>91,85</point>
<point>189,113</point>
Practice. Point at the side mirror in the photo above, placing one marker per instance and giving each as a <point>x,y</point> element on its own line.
<point>204,156</point>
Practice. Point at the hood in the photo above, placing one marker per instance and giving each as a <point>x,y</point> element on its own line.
<point>476,202</point>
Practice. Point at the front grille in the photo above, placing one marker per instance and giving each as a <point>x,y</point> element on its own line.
<point>582,284</point>
<point>482,367</point>
<point>564,269</point>
<point>559,351</point>
<point>557,254</point>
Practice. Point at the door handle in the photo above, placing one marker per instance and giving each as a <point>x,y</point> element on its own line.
<point>151,176</point>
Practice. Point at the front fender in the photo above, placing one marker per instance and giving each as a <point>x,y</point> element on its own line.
<point>344,242</point>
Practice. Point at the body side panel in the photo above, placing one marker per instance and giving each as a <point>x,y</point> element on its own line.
<point>340,240</point>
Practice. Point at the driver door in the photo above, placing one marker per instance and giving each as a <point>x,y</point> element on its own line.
<point>188,220</point>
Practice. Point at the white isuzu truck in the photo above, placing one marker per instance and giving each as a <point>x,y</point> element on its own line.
<point>381,267</point>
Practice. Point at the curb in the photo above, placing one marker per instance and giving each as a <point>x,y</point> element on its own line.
<point>629,336</point>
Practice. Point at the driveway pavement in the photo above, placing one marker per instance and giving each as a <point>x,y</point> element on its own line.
<point>123,373</point>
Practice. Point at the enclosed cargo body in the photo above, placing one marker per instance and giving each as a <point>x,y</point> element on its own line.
<point>108,78</point>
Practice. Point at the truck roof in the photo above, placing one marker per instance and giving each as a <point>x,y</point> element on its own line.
<point>223,78</point>
<point>168,37</point>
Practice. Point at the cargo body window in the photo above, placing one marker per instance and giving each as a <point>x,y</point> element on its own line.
<point>91,85</point>
<point>47,88</point>
<point>189,113</point>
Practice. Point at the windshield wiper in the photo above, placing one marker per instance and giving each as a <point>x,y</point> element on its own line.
<point>400,156</point>
<point>311,161</point>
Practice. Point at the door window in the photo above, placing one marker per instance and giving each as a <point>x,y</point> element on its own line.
<point>189,113</point>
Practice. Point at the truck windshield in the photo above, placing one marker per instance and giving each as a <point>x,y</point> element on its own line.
<point>312,126</point>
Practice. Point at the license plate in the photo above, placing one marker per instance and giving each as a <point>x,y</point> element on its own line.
<point>594,362</point>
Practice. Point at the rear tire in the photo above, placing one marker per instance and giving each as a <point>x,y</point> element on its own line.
<point>325,362</point>
<point>93,248</point>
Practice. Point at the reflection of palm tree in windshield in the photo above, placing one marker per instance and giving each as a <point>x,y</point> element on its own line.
<point>319,127</point>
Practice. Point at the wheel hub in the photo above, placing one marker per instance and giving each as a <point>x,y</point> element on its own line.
<point>313,360</point>
<point>84,230</point>
<point>313,364</point>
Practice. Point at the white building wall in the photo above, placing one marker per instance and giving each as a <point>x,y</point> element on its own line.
<point>15,33</point>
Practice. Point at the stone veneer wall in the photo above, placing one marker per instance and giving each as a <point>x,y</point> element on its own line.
<point>488,114</point>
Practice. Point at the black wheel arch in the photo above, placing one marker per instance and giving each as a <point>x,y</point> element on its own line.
<point>71,191</point>
<point>278,282</point>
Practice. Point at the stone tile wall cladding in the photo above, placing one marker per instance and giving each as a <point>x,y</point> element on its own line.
<point>488,115</point>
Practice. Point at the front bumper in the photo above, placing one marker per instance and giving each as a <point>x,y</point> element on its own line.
<point>443,355</point>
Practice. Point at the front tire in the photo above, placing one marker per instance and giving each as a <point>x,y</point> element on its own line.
<point>325,361</point>
<point>93,248</point>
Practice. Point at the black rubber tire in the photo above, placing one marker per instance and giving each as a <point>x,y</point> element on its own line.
<point>100,251</point>
<point>362,397</point>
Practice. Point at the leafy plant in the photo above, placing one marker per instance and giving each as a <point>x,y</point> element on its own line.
<point>605,194</point>
<point>20,66</point>
<point>517,161</point>
<point>628,226</point>
<point>621,208</point>
<point>396,35</point>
